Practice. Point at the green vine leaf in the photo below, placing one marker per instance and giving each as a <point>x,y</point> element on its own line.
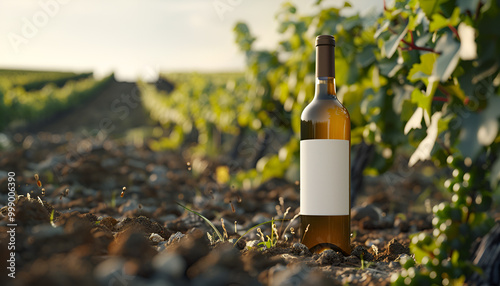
<point>468,5</point>
<point>366,57</point>
<point>389,67</point>
<point>415,20</point>
<point>468,144</point>
<point>390,47</point>
<point>448,60</point>
<point>423,70</point>
<point>430,6</point>
<point>383,27</point>
<point>422,100</point>
<point>456,91</point>
<point>438,22</point>
<point>479,129</point>
<point>401,94</point>
<point>423,151</point>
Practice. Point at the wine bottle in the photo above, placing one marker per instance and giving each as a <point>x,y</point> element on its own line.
<point>325,149</point>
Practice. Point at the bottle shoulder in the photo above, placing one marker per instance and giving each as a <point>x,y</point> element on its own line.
<point>324,109</point>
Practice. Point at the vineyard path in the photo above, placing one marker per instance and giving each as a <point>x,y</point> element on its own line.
<point>117,108</point>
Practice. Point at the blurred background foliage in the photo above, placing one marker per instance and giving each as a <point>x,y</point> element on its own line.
<point>31,96</point>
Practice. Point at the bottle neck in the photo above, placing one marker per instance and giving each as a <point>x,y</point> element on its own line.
<point>325,61</point>
<point>325,88</point>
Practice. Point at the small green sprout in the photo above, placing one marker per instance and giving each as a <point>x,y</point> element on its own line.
<point>113,199</point>
<point>271,240</point>
<point>364,264</point>
<point>221,238</point>
<point>52,219</point>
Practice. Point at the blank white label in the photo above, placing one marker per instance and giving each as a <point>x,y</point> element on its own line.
<point>324,177</point>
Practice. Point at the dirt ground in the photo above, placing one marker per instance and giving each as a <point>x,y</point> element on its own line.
<point>105,212</point>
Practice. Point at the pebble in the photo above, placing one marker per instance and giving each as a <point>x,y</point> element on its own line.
<point>362,253</point>
<point>130,205</point>
<point>87,192</point>
<point>48,164</point>
<point>131,244</point>
<point>167,218</point>
<point>43,231</point>
<point>147,209</point>
<point>238,243</point>
<point>176,237</point>
<point>154,237</point>
<point>110,163</point>
<point>297,274</point>
<point>109,183</point>
<point>169,264</point>
<point>108,222</point>
<point>137,178</point>
<point>394,264</point>
<point>200,202</point>
<point>133,190</point>
<point>63,200</point>
<point>111,270</point>
<point>259,218</point>
<point>352,259</point>
<point>330,257</point>
<point>217,275</point>
<point>300,249</point>
<point>402,258</point>
<point>159,170</point>
<point>274,271</point>
<point>158,176</point>
<point>136,164</point>
<point>376,242</point>
<point>269,207</point>
<point>252,243</point>
<point>162,245</point>
<point>224,256</point>
<point>396,248</point>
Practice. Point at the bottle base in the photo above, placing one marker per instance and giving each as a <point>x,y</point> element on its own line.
<point>318,248</point>
<point>326,232</point>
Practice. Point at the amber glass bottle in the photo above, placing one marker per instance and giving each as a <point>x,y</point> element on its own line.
<point>325,148</point>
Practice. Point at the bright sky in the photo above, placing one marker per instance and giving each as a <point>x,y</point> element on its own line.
<point>137,38</point>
